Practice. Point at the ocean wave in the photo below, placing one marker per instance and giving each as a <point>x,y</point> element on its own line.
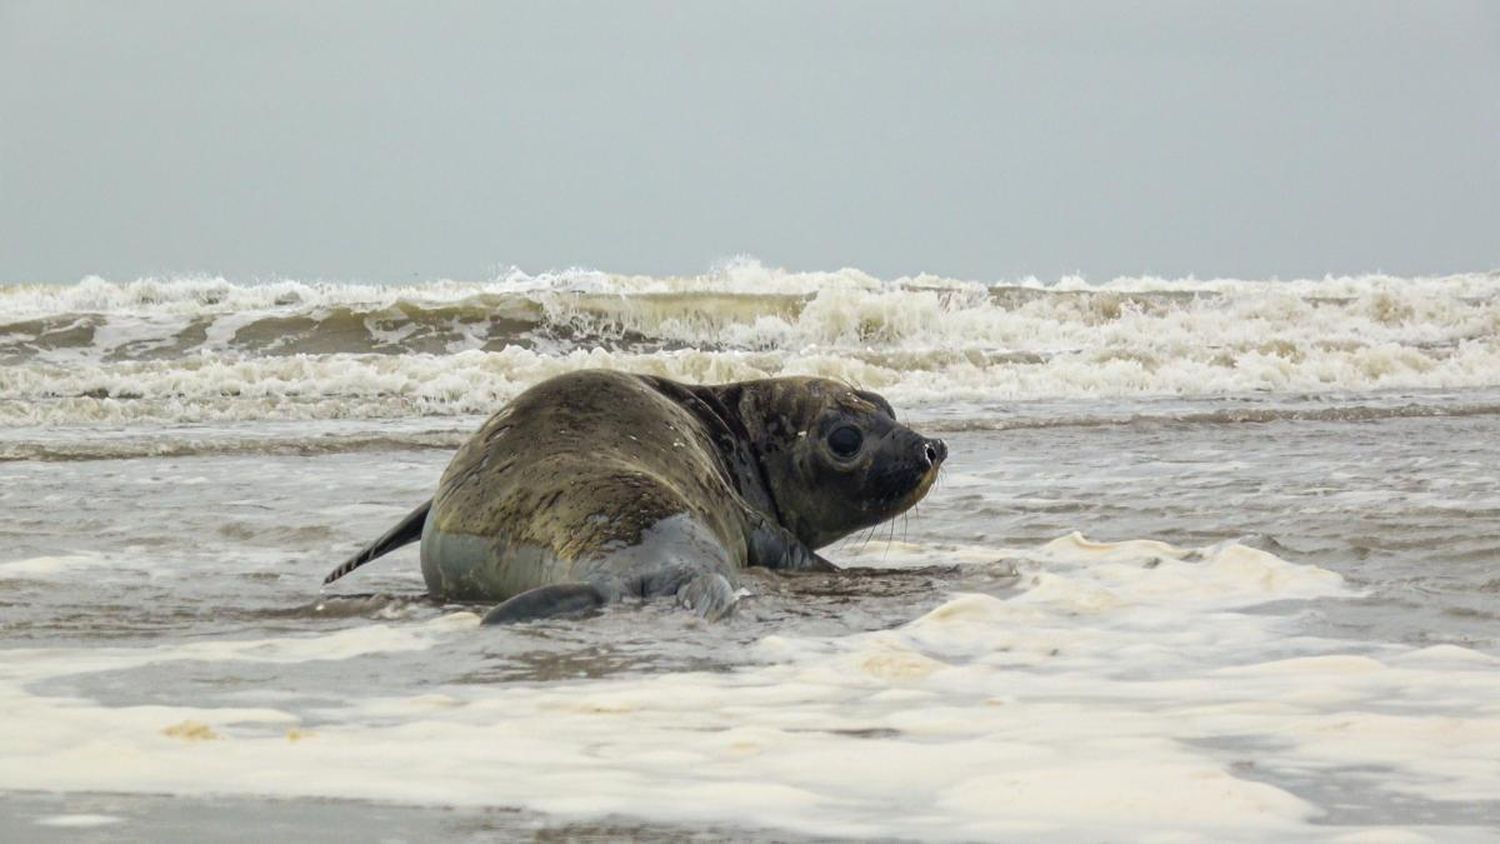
<point>209,388</point>
<point>185,444</point>
<point>205,349</point>
<point>742,307</point>
<point>1219,416</point>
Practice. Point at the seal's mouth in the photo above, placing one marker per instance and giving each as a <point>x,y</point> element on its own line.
<point>919,491</point>
<point>933,453</point>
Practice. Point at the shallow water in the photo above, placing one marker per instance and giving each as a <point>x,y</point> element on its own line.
<point>1256,615</point>
<point>143,594</point>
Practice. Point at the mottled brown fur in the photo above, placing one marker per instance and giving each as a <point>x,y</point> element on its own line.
<point>597,484</point>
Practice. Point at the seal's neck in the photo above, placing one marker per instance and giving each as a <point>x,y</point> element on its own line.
<point>739,446</point>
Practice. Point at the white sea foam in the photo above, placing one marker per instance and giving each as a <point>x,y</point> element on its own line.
<point>215,388</point>
<point>200,294</point>
<point>194,349</point>
<point>51,566</point>
<point>1129,691</point>
<point>78,821</point>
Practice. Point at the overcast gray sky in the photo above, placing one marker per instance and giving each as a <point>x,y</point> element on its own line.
<point>377,140</point>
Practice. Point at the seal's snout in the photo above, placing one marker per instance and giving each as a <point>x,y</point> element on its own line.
<point>933,452</point>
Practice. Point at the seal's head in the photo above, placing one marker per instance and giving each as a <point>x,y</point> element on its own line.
<point>835,459</point>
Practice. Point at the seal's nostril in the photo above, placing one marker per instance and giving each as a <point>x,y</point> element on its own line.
<point>932,454</point>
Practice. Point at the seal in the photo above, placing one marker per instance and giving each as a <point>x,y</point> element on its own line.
<point>596,485</point>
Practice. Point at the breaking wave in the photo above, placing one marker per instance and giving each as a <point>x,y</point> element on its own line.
<point>204,349</point>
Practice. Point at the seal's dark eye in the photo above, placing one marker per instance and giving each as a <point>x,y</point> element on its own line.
<point>845,441</point>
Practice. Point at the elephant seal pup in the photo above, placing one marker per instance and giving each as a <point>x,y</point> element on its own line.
<point>598,485</point>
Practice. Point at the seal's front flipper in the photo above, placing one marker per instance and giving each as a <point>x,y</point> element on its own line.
<point>406,531</point>
<point>775,547</point>
<point>547,602</point>
<point>709,595</point>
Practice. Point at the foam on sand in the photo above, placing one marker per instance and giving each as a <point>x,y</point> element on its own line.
<point>1128,690</point>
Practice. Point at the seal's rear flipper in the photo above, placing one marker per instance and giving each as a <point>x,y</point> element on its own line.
<point>406,531</point>
<point>547,602</point>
